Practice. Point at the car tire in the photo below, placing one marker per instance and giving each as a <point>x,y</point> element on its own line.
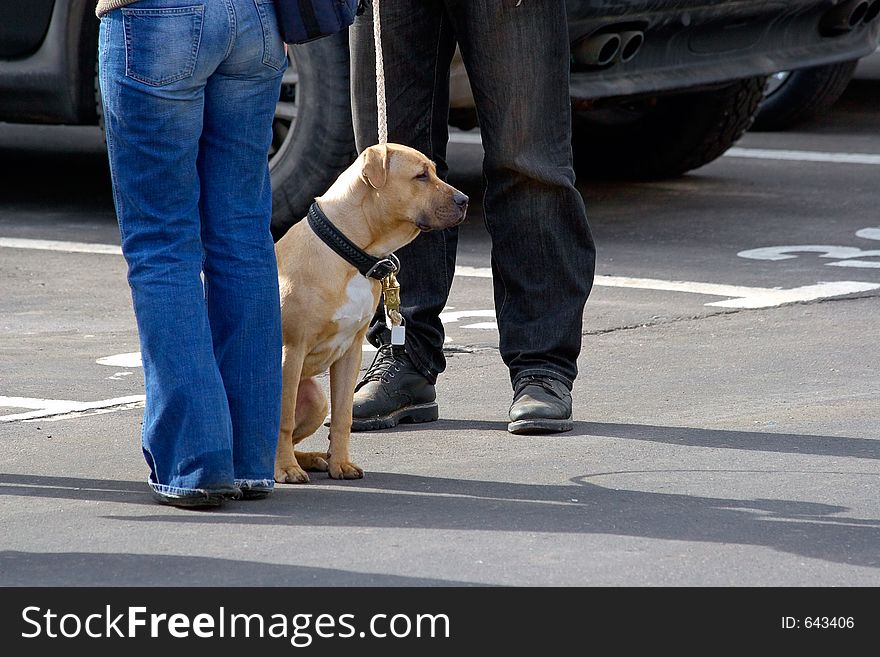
<point>802,95</point>
<point>313,138</point>
<point>665,136</point>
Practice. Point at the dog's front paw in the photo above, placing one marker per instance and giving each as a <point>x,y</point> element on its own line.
<point>344,470</point>
<point>292,474</point>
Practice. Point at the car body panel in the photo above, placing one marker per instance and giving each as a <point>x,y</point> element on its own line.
<point>687,44</point>
<point>23,25</point>
<point>56,83</point>
<point>700,43</point>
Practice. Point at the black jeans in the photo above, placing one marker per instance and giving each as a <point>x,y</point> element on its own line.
<point>543,256</point>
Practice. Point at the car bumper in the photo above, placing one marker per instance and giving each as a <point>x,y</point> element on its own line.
<point>701,44</point>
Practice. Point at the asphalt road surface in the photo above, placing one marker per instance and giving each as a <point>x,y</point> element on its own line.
<point>727,408</point>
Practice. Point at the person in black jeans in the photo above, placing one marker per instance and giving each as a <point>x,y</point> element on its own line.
<point>516,53</point>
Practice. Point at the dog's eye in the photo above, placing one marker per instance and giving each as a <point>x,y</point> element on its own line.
<point>422,176</point>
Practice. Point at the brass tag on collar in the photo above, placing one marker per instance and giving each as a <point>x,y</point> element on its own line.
<point>391,292</point>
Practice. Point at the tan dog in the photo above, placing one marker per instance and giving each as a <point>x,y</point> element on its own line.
<point>380,203</point>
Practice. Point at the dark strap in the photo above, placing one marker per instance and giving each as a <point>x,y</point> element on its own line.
<point>309,19</point>
<point>366,264</point>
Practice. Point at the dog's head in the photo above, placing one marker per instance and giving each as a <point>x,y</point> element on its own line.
<point>406,185</point>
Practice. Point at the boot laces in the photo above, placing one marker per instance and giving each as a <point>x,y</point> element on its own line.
<point>384,366</point>
<point>533,380</point>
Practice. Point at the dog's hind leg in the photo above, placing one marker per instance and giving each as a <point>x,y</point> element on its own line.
<point>287,470</point>
<point>311,409</point>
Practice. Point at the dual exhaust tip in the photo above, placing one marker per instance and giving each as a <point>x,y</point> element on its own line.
<point>848,15</point>
<point>610,47</point>
<point>607,48</point>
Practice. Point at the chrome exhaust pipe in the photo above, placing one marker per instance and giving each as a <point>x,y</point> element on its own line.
<point>873,12</point>
<point>631,42</point>
<point>597,50</point>
<point>844,17</point>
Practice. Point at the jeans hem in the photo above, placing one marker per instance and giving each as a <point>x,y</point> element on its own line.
<point>538,371</point>
<point>255,484</point>
<point>179,491</point>
<point>420,366</point>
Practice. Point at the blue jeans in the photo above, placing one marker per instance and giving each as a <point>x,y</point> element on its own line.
<point>543,255</point>
<point>189,93</point>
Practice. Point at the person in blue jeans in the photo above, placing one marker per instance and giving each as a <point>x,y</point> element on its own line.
<point>189,93</point>
<point>543,257</point>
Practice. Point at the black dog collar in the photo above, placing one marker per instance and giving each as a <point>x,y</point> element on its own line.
<point>366,264</point>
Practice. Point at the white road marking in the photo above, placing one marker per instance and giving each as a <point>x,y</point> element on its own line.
<point>785,252</point>
<point>872,233</point>
<point>741,296</point>
<point>62,408</point>
<point>847,255</point>
<point>783,155</point>
<point>746,297</point>
<point>472,137</point>
<point>122,360</point>
<point>54,245</point>
<point>803,156</point>
<point>456,315</point>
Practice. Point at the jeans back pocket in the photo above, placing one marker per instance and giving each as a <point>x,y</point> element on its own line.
<point>161,45</point>
<point>273,46</point>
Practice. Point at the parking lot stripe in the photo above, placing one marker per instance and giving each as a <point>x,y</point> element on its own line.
<point>474,138</point>
<point>54,245</point>
<point>741,296</point>
<point>804,156</point>
<point>62,408</point>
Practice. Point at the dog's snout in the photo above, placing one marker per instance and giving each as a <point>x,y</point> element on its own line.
<point>461,200</point>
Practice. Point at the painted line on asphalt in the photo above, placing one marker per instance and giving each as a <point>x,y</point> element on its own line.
<point>59,409</point>
<point>781,155</point>
<point>740,296</point>
<point>55,245</point>
<point>803,156</point>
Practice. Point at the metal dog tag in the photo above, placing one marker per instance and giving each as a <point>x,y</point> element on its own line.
<point>398,334</point>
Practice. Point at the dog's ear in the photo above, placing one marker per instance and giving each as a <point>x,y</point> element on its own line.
<point>374,166</point>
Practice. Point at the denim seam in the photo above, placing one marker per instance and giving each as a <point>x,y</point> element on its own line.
<point>434,86</point>
<point>251,483</point>
<point>420,365</point>
<point>268,59</point>
<point>108,133</point>
<point>177,490</point>
<point>233,25</point>
<point>445,235</point>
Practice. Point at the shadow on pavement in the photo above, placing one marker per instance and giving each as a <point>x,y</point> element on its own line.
<point>581,506</point>
<point>751,441</point>
<point>862,448</point>
<point>102,569</point>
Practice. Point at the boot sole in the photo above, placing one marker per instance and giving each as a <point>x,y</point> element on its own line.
<point>409,415</point>
<point>211,501</point>
<point>540,426</point>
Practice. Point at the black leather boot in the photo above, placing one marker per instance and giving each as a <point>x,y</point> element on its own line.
<point>541,404</point>
<point>392,391</point>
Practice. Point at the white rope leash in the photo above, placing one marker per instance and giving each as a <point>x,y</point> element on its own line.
<point>381,106</point>
<point>390,286</point>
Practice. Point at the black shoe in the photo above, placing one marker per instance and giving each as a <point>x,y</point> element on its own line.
<point>541,404</point>
<point>248,492</point>
<point>392,391</point>
<point>205,500</point>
